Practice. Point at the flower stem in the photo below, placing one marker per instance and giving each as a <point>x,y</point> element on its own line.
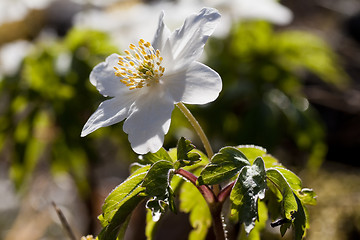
<point>197,128</point>
<point>215,206</point>
<point>217,221</point>
<point>202,135</point>
<point>203,189</point>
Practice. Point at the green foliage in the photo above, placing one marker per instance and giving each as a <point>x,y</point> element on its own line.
<point>120,203</point>
<point>287,188</point>
<point>259,174</point>
<point>44,107</point>
<point>184,155</point>
<point>248,189</point>
<point>252,152</point>
<point>151,158</point>
<point>152,179</point>
<point>262,186</point>
<point>157,185</point>
<point>192,202</point>
<point>259,226</point>
<point>223,166</point>
<point>284,193</point>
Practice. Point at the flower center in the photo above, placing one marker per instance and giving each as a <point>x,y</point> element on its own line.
<point>140,67</point>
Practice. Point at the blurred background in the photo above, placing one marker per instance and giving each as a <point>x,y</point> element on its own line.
<point>291,83</point>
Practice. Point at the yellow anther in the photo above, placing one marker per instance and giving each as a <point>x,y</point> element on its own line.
<point>141,67</point>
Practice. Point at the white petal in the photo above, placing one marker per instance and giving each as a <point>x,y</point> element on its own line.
<point>108,113</point>
<point>162,33</point>
<point>198,84</point>
<point>188,42</point>
<point>104,79</point>
<point>149,122</point>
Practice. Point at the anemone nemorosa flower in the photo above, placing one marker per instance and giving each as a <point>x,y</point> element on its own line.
<point>146,82</point>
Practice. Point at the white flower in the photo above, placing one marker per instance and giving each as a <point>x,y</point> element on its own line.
<point>147,82</point>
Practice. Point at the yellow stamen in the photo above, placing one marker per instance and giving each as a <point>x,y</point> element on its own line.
<point>141,67</point>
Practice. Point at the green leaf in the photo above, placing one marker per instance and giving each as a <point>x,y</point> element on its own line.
<point>191,201</point>
<point>184,155</point>
<point>252,152</point>
<point>223,166</point>
<point>124,226</point>
<point>157,179</point>
<point>259,227</point>
<point>135,166</point>
<point>249,187</point>
<point>284,227</point>
<point>289,204</point>
<point>290,187</point>
<point>183,147</point>
<point>120,203</point>
<point>307,196</point>
<point>112,229</point>
<point>157,185</point>
<point>300,220</point>
<point>151,158</point>
<point>158,206</point>
<point>151,225</point>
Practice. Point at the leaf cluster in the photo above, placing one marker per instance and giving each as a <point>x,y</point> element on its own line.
<point>251,178</point>
<point>259,176</point>
<point>153,179</point>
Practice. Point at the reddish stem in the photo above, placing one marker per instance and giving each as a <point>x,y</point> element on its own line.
<point>204,189</point>
<point>225,192</point>
<point>213,202</point>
